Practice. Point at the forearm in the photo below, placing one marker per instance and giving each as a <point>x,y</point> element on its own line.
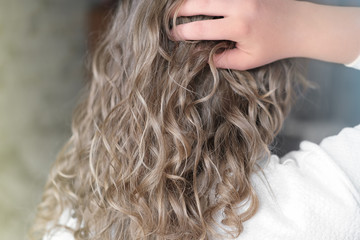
<point>327,33</point>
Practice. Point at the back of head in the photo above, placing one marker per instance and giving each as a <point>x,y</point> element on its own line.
<point>163,139</point>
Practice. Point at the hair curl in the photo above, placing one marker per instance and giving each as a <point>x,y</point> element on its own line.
<point>163,140</point>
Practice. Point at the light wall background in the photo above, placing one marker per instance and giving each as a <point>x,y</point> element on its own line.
<point>42,50</point>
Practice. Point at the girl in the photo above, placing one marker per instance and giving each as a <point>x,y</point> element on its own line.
<point>169,145</point>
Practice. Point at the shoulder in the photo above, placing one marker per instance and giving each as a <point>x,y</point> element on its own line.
<point>311,193</point>
<point>335,162</point>
<point>344,152</point>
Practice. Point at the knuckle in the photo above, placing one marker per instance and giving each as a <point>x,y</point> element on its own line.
<point>177,32</point>
<point>252,6</point>
<point>187,32</point>
<point>199,28</point>
<point>183,32</point>
<point>243,28</point>
<point>246,17</point>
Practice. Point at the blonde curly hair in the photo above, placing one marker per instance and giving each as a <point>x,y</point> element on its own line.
<point>162,140</point>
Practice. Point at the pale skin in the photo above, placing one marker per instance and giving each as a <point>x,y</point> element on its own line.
<point>269,30</point>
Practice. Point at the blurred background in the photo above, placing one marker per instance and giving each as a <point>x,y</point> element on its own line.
<point>325,110</point>
<point>43,46</point>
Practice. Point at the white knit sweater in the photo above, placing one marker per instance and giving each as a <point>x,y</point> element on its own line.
<point>315,193</point>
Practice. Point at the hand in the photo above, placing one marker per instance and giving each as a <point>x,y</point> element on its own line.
<point>263,30</point>
<point>270,30</point>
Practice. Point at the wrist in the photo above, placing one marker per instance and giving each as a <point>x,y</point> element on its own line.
<point>327,33</point>
<point>298,32</point>
<point>305,31</point>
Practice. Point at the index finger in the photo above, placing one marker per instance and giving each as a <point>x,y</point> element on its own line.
<point>203,7</point>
